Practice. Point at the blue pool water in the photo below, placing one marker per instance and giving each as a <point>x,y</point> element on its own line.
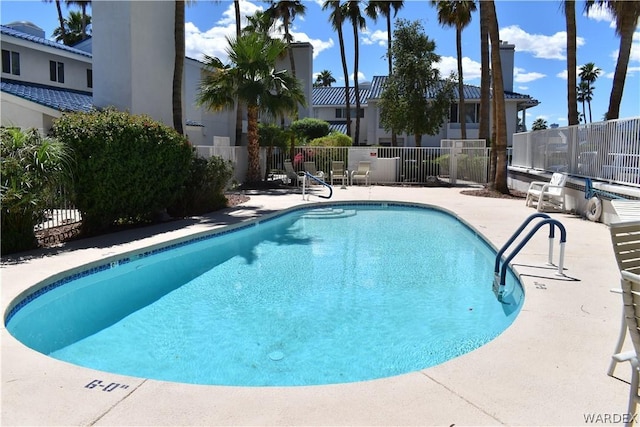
<point>314,296</point>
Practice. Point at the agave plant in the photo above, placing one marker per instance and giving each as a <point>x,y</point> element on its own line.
<point>32,167</point>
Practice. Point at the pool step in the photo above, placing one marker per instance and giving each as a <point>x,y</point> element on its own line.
<point>329,213</point>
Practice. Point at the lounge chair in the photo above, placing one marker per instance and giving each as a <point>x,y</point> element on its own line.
<point>625,238</point>
<point>361,173</point>
<point>630,284</point>
<point>311,168</point>
<point>548,194</point>
<point>294,177</point>
<point>338,172</point>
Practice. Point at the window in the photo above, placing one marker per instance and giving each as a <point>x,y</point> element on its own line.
<point>89,78</point>
<point>10,62</point>
<point>341,113</point>
<point>56,71</point>
<point>471,113</point>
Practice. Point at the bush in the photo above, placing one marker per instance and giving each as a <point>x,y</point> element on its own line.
<point>32,169</point>
<point>204,188</point>
<point>127,168</point>
<point>334,139</point>
<point>307,129</point>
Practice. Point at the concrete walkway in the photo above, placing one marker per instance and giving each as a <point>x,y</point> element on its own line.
<point>548,368</point>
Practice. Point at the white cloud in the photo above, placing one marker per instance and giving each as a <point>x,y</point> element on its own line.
<point>541,46</point>
<point>213,42</point>
<point>519,76</point>
<point>600,13</point>
<point>523,87</point>
<point>449,64</point>
<point>378,37</point>
<point>562,119</point>
<point>361,78</point>
<point>635,50</point>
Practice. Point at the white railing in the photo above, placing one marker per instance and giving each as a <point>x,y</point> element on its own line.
<point>608,151</point>
<point>389,165</point>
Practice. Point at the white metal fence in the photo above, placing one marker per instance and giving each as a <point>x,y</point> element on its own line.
<point>608,151</point>
<point>389,165</point>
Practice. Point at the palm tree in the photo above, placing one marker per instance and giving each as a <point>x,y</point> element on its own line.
<point>373,10</point>
<point>589,73</point>
<point>60,17</point>
<point>626,13</point>
<point>252,80</point>
<point>584,95</point>
<point>570,23</point>
<point>337,19</point>
<point>324,79</point>
<point>287,11</point>
<point>352,13</point>
<point>500,143</point>
<point>539,124</point>
<point>72,31</point>
<point>85,18</point>
<point>178,65</point>
<point>376,8</point>
<point>260,22</point>
<point>457,13</point>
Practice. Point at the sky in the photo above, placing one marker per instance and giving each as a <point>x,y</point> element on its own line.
<point>536,28</point>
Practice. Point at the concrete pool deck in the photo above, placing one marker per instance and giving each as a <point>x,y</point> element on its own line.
<point>548,368</point>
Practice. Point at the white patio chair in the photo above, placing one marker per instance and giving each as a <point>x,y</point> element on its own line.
<point>631,299</point>
<point>625,237</point>
<point>294,177</point>
<point>311,168</point>
<point>362,173</point>
<point>338,172</point>
<point>548,194</point>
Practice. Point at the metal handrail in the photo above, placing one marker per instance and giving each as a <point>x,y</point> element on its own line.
<point>498,287</point>
<point>515,235</point>
<point>319,181</point>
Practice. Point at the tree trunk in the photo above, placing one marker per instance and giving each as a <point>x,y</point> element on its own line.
<point>394,137</point>
<point>461,108</point>
<point>572,102</point>
<point>355,82</point>
<point>627,27</point>
<point>63,31</point>
<point>485,78</point>
<point>178,66</point>
<point>345,70</point>
<point>500,145</point>
<point>253,147</point>
<point>239,115</point>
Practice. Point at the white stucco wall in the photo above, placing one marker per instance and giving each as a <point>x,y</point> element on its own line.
<point>25,114</point>
<point>34,64</point>
<point>133,54</point>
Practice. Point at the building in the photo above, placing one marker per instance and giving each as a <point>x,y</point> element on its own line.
<point>132,69</point>
<point>40,78</point>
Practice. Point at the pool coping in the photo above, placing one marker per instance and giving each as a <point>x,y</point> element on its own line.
<point>547,339</point>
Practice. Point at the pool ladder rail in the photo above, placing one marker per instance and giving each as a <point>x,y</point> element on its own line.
<point>500,274</point>
<point>308,177</point>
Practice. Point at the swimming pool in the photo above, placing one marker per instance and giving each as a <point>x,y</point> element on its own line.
<point>342,293</point>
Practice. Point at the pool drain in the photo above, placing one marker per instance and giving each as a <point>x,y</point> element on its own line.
<point>276,355</point>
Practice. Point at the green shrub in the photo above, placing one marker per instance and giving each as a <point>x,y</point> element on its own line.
<point>127,168</point>
<point>307,129</point>
<point>204,188</point>
<point>334,139</point>
<point>32,168</point>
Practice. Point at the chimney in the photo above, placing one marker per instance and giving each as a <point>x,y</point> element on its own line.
<point>506,58</point>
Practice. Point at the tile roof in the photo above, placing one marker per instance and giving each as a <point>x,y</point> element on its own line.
<point>7,31</point>
<point>335,96</point>
<point>470,92</point>
<point>338,127</point>
<point>49,96</point>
